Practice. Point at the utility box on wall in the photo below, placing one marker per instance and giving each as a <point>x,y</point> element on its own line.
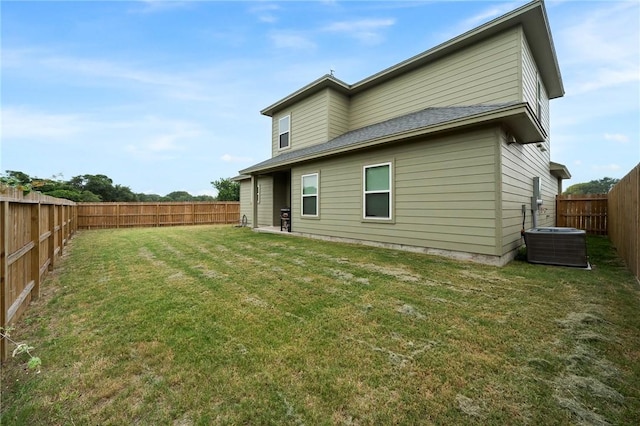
<point>557,246</point>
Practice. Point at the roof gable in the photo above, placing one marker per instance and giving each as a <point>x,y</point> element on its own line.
<point>532,17</point>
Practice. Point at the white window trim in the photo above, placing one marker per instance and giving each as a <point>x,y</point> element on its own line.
<point>280,133</point>
<point>317,195</point>
<point>258,194</point>
<point>365,192</point>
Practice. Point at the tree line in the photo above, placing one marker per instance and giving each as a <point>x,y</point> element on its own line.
<point>598,186</point>
<point>97,188</point>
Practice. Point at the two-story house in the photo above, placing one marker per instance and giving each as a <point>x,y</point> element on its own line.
<point>447,152</point>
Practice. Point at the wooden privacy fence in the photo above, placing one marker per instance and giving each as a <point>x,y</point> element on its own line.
<point>587,212</point>
<point>130,215</point>
<point>33,230</point>
<point>624,219</point>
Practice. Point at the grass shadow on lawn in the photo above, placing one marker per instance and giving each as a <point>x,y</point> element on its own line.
<point>220,325</point>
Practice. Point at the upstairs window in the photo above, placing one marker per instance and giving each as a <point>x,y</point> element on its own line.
<point>377,191</point>
<point>539,98</point>
<point>310,195</point>
<point>283,132</point>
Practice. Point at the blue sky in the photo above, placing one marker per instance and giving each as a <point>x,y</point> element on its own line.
<point>165,96</point>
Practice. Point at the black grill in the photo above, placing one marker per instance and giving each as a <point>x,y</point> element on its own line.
<point>285,219</point>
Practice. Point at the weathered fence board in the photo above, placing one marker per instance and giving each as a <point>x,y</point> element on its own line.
<point>33,232</point>
<point>129,215</point>
<point>624,219</point>
<point>587,212</point>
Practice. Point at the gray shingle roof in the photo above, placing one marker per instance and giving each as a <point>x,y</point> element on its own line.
<point>413,121</point>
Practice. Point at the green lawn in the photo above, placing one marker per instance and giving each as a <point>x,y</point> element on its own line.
<point>221,325</point>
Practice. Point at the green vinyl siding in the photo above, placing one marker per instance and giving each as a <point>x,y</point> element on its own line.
<point>444,194</point>
<point>338,114</point>
<point>519,165</point>
<point>487,72</point>
<point>530,79</point>
<point>246,200</point>
<point>308,123</point>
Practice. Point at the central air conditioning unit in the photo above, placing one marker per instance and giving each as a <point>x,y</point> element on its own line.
<point>557,246</point>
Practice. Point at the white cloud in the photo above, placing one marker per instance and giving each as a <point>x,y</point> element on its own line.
<point>492,12</point>
<point>607,167</point>
<point>606,77</point>
<point>227,158</point>
<point>600,48</point>
<point>21,123</point>
<point>173,83</point>
<point>616,137</point>
<point>480,18</point>
<point>47,65</point>
<point>147,153</point>
<point>365,30</point>
<point>209,191</point>
<point>264,12</point>
<point>291,40</point>
<point>602,34</point>
<point>153,6</point>
<point>170,137</point>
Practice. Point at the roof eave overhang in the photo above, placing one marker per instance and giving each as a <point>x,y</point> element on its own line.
<point>240,178</point>
<point>559,171</point>
<point>519,120</point>
<point>533,19</point>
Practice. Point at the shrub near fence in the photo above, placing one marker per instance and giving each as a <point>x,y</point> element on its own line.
<point>33,231</point>
<point>624,219</point>
<point>130,215</point>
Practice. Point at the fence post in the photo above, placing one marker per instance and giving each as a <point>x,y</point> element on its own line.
<point>4,280</point>
<point>35,251</point>
<point>57,229</point>
<point>52,237</point>
<point>63,223</point>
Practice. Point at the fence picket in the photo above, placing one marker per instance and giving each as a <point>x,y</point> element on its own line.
<point>34,231</point>
<point>587,212</point>
<point>624,224</point>
<point>129,215</point>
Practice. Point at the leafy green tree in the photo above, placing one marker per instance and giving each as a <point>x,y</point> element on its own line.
<point>98,184</point>
<point>13,181</point>
<point>49,185</point>
<point>228,190</point>
<point>179,196</point>
<point>599,186</point>
<point>124,194</point>
<point>153,198</point>
<point>75,195</point>
<point>19,177</point>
